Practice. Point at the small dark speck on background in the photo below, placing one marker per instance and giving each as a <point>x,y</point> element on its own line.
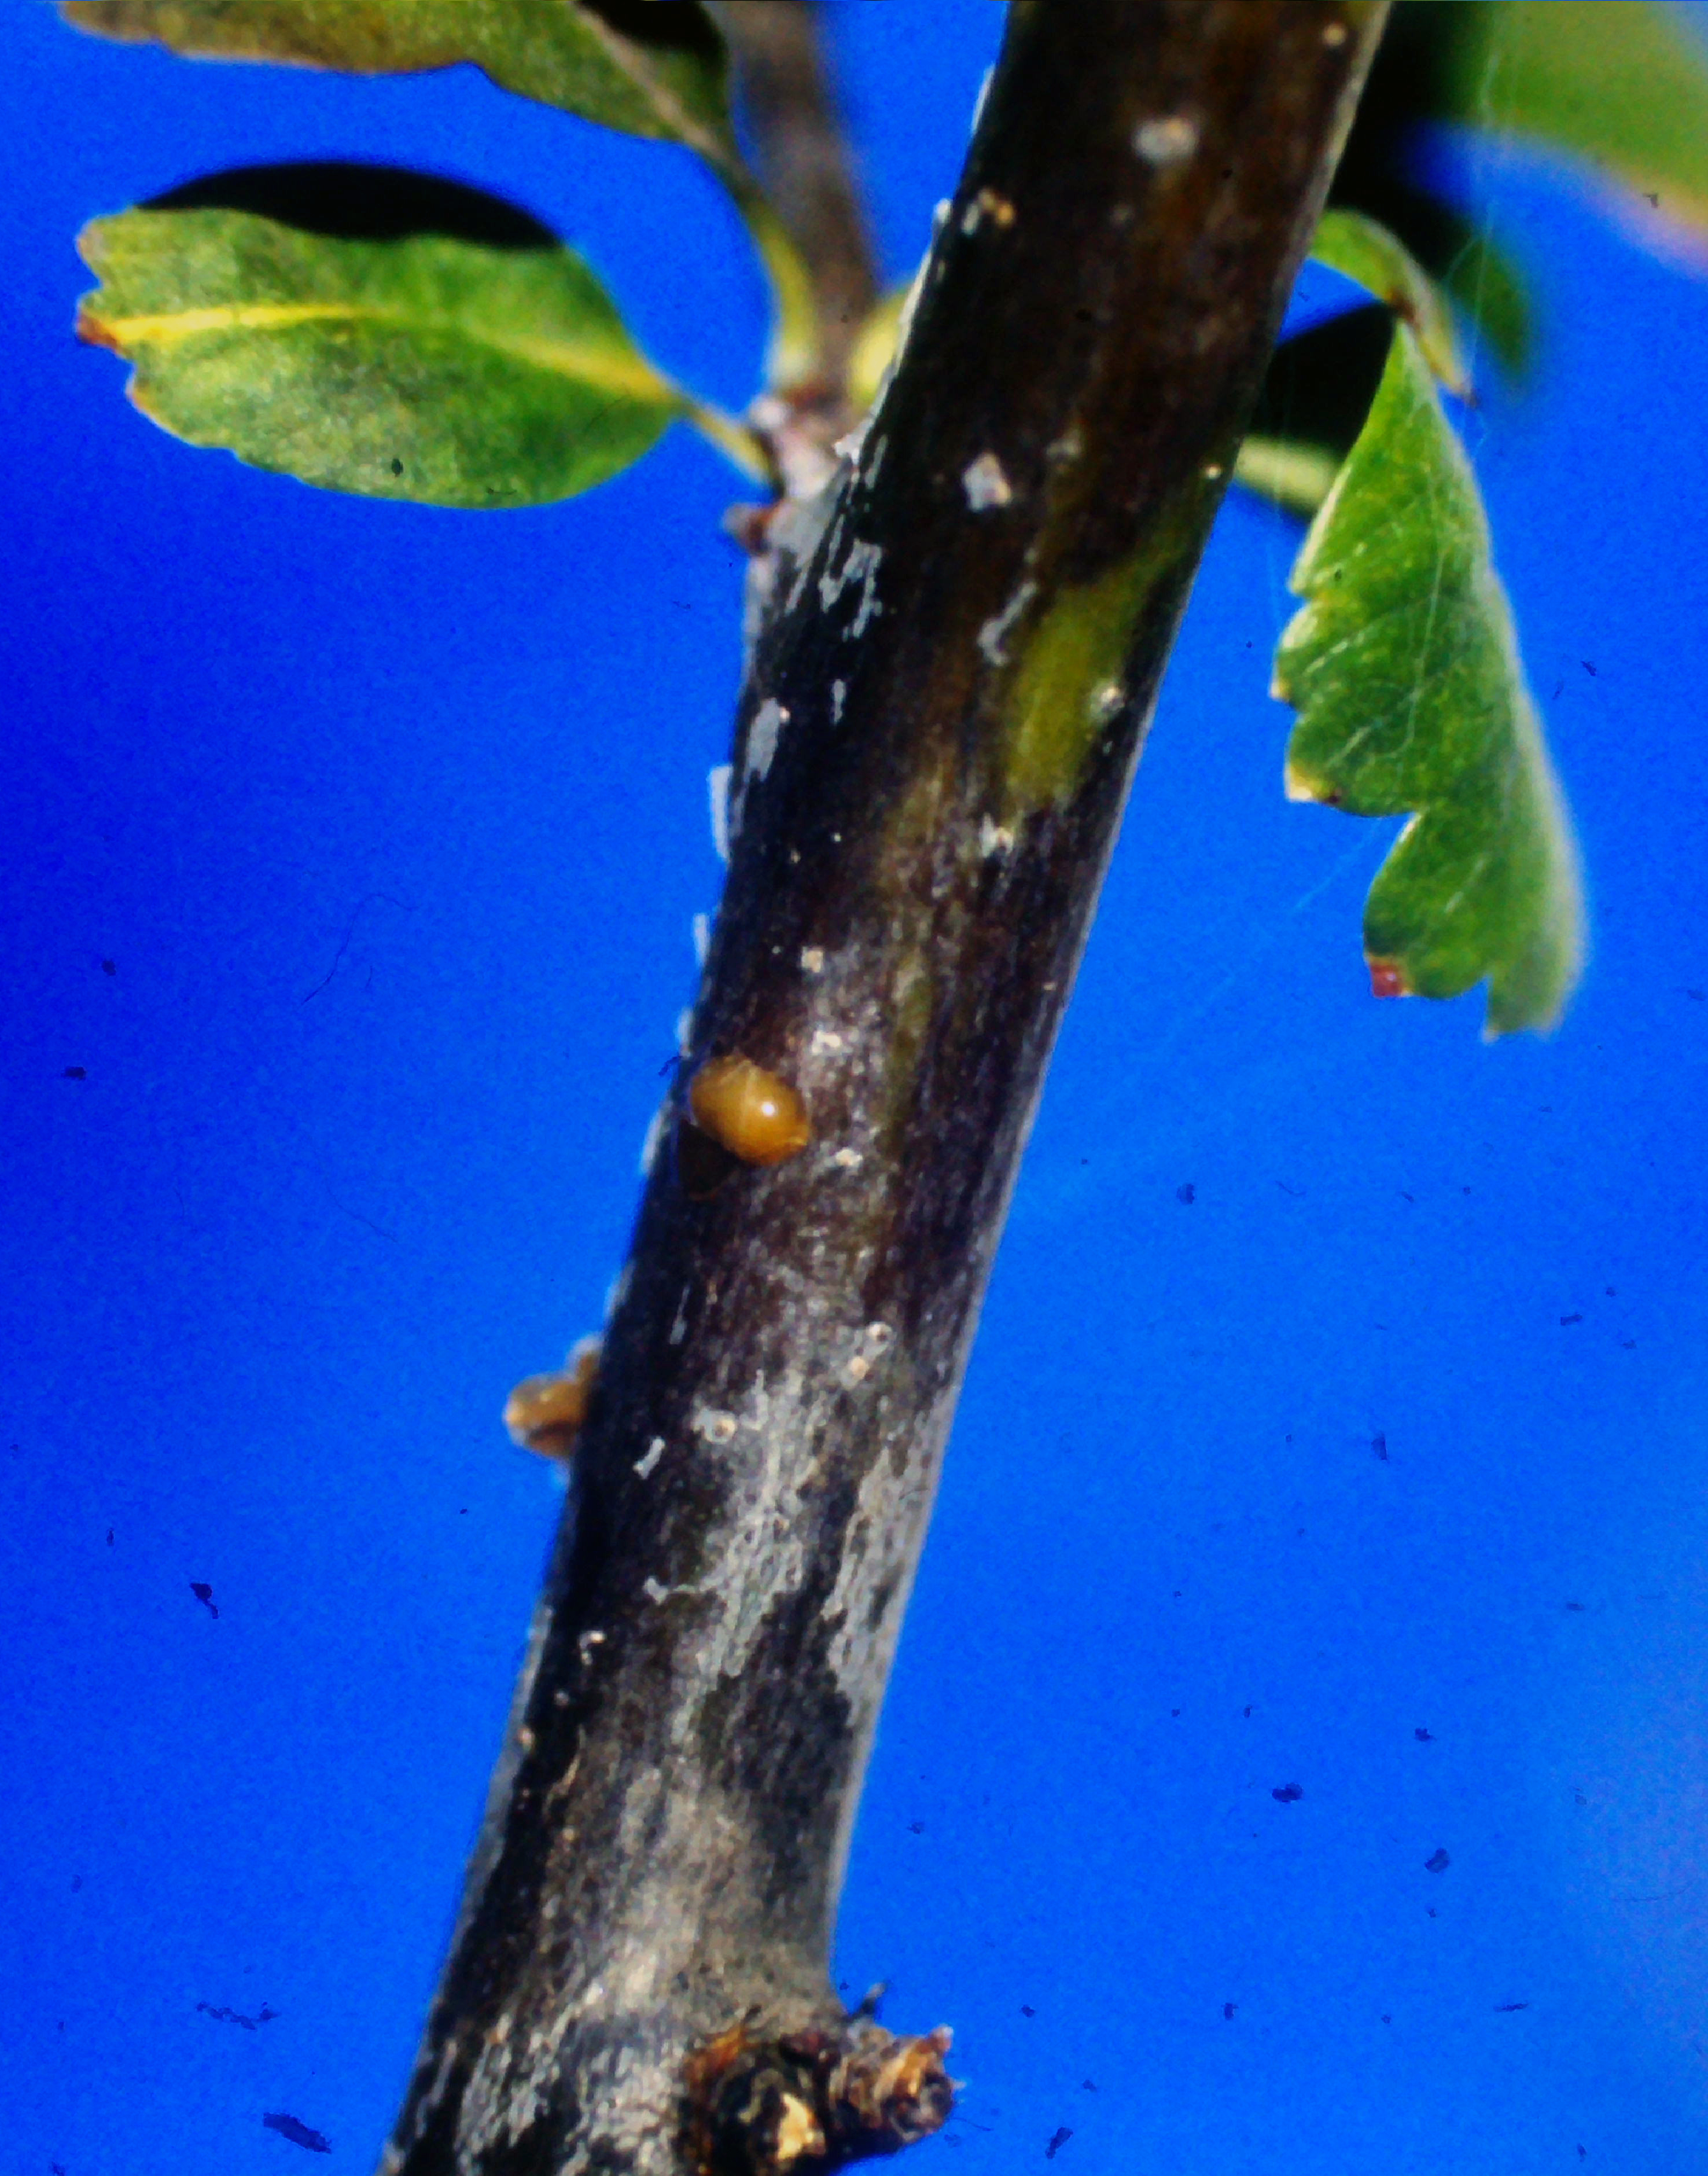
<point>1088,2084</point>
<point>1379,1444</point>
<point>1424,1736</point>
<point>1174,1710</point>
<point>1287,1794</point>
<point>205,1594</point>
<point>1436,1863</point>
<point>1578,1607</point>
<point>75,1073</point>
<point>916,1828</point>
<point>1503,2008</point>
<point>1026,2010</point>
<point>109,966</point>
<point>1187,1194</point>
<point>1228,2008</point>
<point>1062,2135</point>
<point>1699,996</point>
<point>1567,1320</point>
<point>299,2133</point>
<point>1386,2019</point>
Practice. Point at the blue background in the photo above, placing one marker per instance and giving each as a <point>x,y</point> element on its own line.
<point>391,822</point>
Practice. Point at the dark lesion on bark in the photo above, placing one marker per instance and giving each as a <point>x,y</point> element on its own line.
<point>957,650</point>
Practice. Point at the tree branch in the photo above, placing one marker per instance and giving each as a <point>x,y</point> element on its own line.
<point>945,703</point>
<point>802,159</point>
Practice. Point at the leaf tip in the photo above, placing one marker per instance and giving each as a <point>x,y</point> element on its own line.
<point>94,331</point>
<point>1301,785</point>
<point>1388,979</point>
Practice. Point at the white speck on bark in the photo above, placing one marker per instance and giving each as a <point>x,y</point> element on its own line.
<point>763,734</point>
<point>849,1159</point>
<point>715,1426</point>
<point>994,838</point>
<point>860,564</point>
<point>655,1450</point>
<point>838,696</point>
<point>826,1038</point>
<point>702,938</point>
<point>649,1147</point>
<point>993,635</point>
<point>718,792</point>
<point>1169,140</point>
<point>985,484</point>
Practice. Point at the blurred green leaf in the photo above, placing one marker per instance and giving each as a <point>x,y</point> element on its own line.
<point>651,68</point>
<point>1403,666</point>
<point>1362,249</point>
<point>428,366</point>
<point>1625,87</point>
<point>1315,395</point>
<point>1319,386</point>
<point>1411,84</point>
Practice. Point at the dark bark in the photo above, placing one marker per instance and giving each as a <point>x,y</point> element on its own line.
<point>952,679</point>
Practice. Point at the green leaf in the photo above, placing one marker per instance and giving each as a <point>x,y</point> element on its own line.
<point>1625,88</point>
<point>424,367</point>
<point>1362,249</point>
<point>645,67</point>
<point>1403,666</point>
<point>1410,85</point>
<point>1314,398</point>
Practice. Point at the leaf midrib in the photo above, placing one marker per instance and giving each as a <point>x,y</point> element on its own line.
<point>611,373</point>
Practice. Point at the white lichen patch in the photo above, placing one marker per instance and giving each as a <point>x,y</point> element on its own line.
<point>855,1370</point>
<point>848,1159</point>
<point>812,959</point>
<point>880,1336</point>
<point>654,1592</point>
<point>702,938</point>
<point>1168,139</point>
<point>860,564</point>
<point>985,483</point>
<point>826,1039</point>
<point>994,838</point>
<point>714,1426</point>
<point>1107,701</point>
<point>655,1450</point>
<point>993,635</point>
<point>718,794</point>
<point>838,696</point>
<point>763,734</point>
